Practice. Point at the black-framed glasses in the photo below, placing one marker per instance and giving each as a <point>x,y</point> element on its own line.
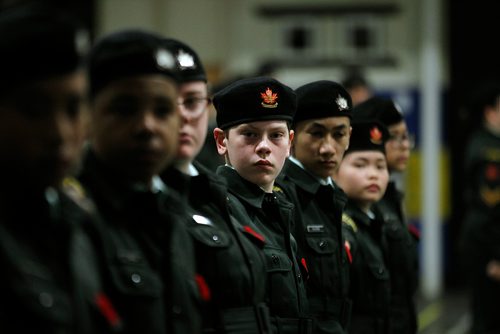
<point>193,107</point>
<point>403,139</point>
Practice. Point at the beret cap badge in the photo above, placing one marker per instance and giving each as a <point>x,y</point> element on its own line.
<point>376,135</point>
<point>185,60</point>
<point>342,103</point>
<point>269,99</point>
<point>164,59</point>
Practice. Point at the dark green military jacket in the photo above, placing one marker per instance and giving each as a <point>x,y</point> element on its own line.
<point>480,235</point>
<point>370,286</point>
<point>230,256</point>
<point>50,281</point>
<point>318,231</point>
<point>147,253</point>
<point>270,215</point>
<point>402,260</point>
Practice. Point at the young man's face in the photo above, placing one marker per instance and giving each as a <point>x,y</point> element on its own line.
<point>193,99</point>
<point>42,130</point>
<point>397,148</point>
<point>257,150</point>
<point>135,125</point>
<point>363,176</point>
<point>320,144</point>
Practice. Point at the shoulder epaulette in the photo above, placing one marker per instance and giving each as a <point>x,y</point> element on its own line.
<point>74,190</point>
<point>277,189</point>
<point>346,219</point>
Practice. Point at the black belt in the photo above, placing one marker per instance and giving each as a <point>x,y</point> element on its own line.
<point>293,325</point>
<point>338,309</point>
<point>246,320</point>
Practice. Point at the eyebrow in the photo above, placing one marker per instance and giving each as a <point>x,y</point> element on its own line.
<point>337,127</point>
<point>194,92</point>
<point>364,159</point>
<point>253,127</point>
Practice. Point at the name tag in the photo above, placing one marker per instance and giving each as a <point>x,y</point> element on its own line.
<point>202,220</point>
<point>315,228</point>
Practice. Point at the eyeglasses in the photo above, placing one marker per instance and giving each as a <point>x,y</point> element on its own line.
<point>193,107</point>
<point>400,140</point>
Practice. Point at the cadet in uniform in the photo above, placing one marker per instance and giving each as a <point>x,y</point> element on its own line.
<point>229,253</point>
<point>322,129</point>
<point>253,134</point>
<point>402,239</point>
<point>480,235</point>
<point>363,175</point>
<point>50,281</point>
<point>134,134</point>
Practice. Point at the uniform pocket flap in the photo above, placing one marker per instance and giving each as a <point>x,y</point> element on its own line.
<point>136,279</point>
<point>395,231</point>
<point>321,245</point>
<point>210,236</point>
<point>277,260</point>
<point>379,271</point>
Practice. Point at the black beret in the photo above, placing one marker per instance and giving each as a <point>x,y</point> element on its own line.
<point>188,62</point>
<point>254,99</point>
<point>379,108</point>
<point>321,99</point>
<point>37,42</point>
<point>129,53</point>
<point>368,135</point>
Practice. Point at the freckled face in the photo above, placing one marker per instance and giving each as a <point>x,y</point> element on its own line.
<point>257,150</point>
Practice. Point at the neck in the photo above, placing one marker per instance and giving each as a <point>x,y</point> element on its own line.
<point>183,165</point>
<point>365,207</point>
<point>494,130</point>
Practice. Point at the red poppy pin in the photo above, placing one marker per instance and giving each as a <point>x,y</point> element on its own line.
<point>269,99</point>
<point>491,172</point>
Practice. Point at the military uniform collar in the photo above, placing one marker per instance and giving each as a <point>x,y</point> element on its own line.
<point>241,188</point>
<point>117,192</point>
<point>360,217</point>
<point>192,170</point>
<point>392,191</point>
<point>304,178</point>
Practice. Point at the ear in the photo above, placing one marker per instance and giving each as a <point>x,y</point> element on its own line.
<point>349,139</point>
<point>220,141</point>
<point>290,143</point>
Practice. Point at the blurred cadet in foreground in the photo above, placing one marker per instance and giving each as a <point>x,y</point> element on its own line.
<point>229,253</point>
<point>134,136</point>
<point>50,281</point>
